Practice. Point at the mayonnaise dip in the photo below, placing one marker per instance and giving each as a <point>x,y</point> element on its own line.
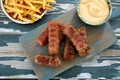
<point>94,11</point>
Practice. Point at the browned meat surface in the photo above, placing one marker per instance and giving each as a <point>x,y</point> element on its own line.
<point>69,51</point>
<point>54,40</point>
<point>55,61</point>
<point>44,60</point>
<point>76,39</point>
<point>43,38</point>
<point>82,32</point>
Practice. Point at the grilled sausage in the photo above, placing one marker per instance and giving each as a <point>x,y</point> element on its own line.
<point>43,38</point>
<point>76,39</point>
<point>69,51</point>
<point>82,32</point>
<point>54,40</point>
<point>44,60</point>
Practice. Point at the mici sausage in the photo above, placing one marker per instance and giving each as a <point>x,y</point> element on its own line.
<point>43,38</point>
<point>54,40</point>
<point>69,51</point>
<point>82,32</point>
<point>44,60</point>
<point>76,39</point>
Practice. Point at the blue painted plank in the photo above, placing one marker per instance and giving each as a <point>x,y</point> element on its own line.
<point>4,39</point>
<point>12,58</point>
<point>6,70</point>
<point>107,72</point>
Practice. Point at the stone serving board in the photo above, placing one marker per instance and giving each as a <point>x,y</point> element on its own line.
<point>99,37</point>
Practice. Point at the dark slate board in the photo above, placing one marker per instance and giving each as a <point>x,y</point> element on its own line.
<point>99,37</point>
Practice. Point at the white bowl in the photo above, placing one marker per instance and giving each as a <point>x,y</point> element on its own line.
<point>110,12</point>
<point>14,20</point>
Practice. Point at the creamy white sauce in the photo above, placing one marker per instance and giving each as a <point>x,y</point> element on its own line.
<point>94,11</point>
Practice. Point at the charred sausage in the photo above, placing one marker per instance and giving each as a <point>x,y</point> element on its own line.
<point>69,51</point>
<point>82,32</point>
<point>54,40</point>
<point>76,39</point>
<point>44,60</point>
<point>43,38</point>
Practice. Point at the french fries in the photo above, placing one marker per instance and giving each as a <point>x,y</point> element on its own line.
<point>27,10</point>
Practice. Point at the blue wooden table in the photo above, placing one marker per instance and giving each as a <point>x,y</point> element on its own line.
<point>15,65</point>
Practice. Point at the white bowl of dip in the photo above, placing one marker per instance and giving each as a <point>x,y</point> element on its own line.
<point>94,12</point>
